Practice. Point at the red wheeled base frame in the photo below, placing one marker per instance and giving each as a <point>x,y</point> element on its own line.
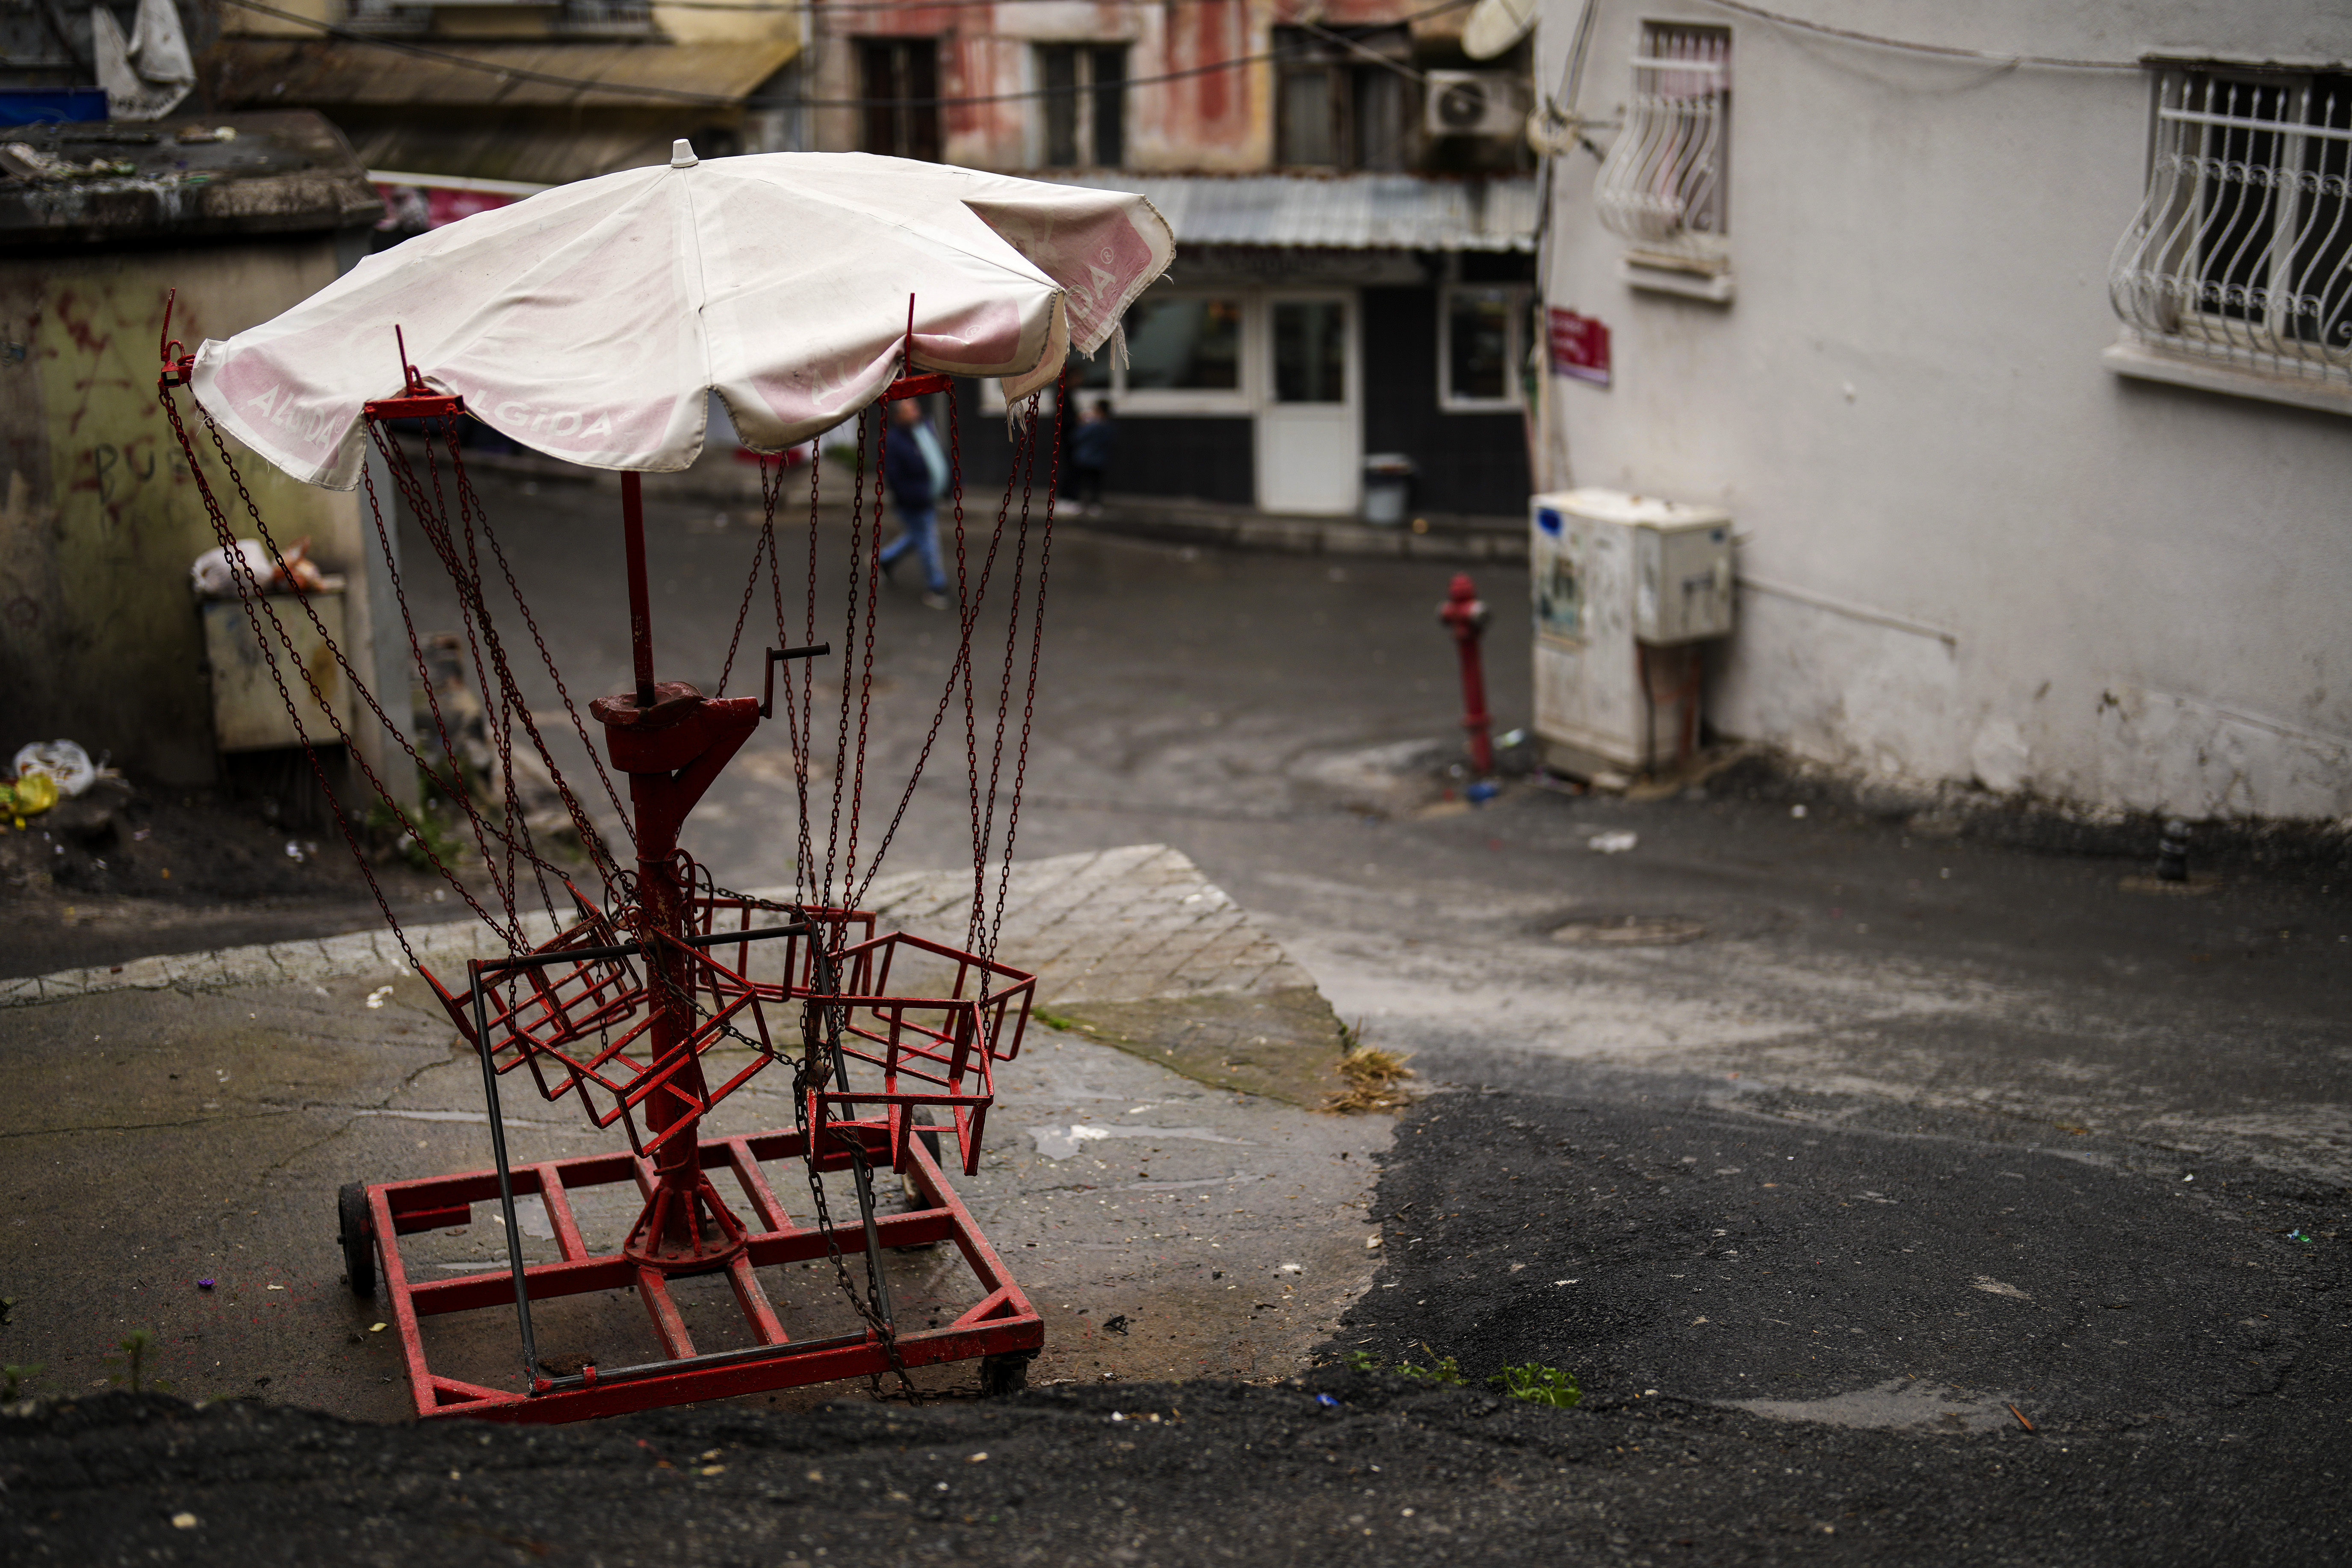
<point>1000,1326</point>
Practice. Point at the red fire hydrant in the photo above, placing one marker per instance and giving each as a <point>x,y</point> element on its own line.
<point>1465,617</point>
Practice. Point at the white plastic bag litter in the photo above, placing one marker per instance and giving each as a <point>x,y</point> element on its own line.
<point>216,579</point>
<point>215,576</point>
<point>63,761</point>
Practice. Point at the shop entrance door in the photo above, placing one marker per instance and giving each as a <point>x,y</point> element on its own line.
<point>1310,444</point>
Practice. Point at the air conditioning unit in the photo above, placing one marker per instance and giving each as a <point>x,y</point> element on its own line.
<point>1474,103</point>
<point>1626,588</point>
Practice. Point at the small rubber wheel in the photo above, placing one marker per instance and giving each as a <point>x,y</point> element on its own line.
<point>355,1232</point>
<point>1004,1374</point>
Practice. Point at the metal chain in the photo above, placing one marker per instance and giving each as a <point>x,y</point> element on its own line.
<point>963,646</point>
<point>1029,704</point>
<point>806,866</point>
<point>404,478</point>
<point>466,580</point>
<point>241,574</point>
<point>809,1071</point>
<point>767,543</point>
<point>416,652</point>
<point>547,659</point>
<point>236,555</point>
<point>968,618</point>
<point>478,611</point>
<point>811,1124</point>
<point>873,618</point>
<point>434,523</point>
<point>987,815</point>
<point>849,643</point>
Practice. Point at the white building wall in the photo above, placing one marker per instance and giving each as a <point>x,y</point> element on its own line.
<point>1970,548</point>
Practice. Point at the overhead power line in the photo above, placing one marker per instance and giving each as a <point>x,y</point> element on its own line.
<point>1952,51</point>
<point>682,95</point>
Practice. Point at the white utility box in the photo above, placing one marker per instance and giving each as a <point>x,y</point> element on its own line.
<point>248,710</point>
<point>1625,588</point>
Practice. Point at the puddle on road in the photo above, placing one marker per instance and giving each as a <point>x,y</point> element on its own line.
<point>1899,1404</point>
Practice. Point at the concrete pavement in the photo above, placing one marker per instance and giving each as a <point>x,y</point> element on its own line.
<point>189,1119</point>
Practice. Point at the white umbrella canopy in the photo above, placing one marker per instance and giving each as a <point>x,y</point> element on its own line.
<point>588,322</point>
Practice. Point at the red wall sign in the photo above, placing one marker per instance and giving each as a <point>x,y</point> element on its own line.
<point>1580,346</point>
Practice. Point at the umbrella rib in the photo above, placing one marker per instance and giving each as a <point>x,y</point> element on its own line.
<point>701,327</point>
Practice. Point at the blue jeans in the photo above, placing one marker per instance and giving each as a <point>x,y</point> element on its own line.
<point>919,531</point>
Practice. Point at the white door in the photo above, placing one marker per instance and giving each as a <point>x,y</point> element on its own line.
<point>1310,441</point>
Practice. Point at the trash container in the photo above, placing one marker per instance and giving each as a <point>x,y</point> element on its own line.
<point>1387,489</point>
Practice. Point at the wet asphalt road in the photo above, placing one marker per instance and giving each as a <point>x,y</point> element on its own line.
<point>1796,1342</point>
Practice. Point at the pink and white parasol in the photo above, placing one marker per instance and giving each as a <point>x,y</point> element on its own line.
<point>588,322</point>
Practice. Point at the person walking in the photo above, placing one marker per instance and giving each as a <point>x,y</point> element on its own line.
<point>1090,446</point>
<point>916,471</point>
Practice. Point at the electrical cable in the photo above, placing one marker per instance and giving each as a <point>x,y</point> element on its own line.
<point>1356,46</point>
<point>1953,51</point>
<point>680,95</point>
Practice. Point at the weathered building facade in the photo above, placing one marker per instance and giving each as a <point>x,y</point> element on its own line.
<point>1353,207</point>
<point>1351,193</point>
<point>2018,343</point>
<point>521,94</point>
<point>101,638</point>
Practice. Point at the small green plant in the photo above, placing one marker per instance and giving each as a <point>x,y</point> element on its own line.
<point>419,839</point>
<point>1539,1384</point>
<point>133,1361</point>
<point>1446,1373</point>
<point>1067,1025</point>
<point>14,1376</point>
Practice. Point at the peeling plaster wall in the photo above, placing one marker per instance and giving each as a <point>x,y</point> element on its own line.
<point>1216,122</point>
<point>100,518</point>
<point>1973,551</point>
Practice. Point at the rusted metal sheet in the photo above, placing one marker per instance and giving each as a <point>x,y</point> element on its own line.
<point>536,147</point>
<point>287,171</point>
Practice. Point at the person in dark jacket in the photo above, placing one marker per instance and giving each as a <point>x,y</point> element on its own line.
<point>1090,446</point>
<point>916,470</point>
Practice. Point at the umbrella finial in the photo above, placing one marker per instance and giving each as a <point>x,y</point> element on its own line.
<point>681,155</point>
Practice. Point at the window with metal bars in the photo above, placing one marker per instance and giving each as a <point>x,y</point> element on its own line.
<point>2242,249</point>
<point>898,79</point>
<point>1082,116</point>
<point>1665,184</point>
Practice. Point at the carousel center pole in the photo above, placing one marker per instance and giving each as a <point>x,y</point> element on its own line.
<point>672,742</point>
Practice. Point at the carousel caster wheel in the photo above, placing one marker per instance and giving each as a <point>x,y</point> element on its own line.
<point>910,1198</point>
<point>1004,1374</point>
<point>355,1234</point>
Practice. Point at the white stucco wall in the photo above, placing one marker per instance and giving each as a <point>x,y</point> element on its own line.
<point>1972,549</point>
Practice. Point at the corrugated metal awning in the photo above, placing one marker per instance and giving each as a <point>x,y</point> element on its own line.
<point>330,73</point>
<point>502,149</point>
<point>1337,212</point>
